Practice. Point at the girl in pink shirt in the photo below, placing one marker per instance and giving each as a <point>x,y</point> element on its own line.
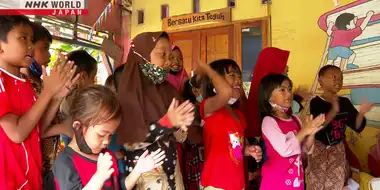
<point>283,136</point>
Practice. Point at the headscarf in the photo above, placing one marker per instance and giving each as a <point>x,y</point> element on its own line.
<point>177,80</point>
<point>270,60</point>
<point>141,100</point>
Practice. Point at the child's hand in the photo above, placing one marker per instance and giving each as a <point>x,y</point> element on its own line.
<point>148,162</point>
<point>312,126</point>
<point>304,93</point>
<point>201,69</point>
<point>370,13</point>
<point>70,84</point>
<point>330,25</point>
<point>104,170</point>
<point>59,75</point>
<point>365,107</point>
<point>254,151</point>
<point>182,115</point>
<point>334,101</point>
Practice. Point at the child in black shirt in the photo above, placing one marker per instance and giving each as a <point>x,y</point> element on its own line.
<point>327,166</point>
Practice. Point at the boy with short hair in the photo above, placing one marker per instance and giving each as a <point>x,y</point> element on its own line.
<point>22,119</point>
<point>41,56</point>
<point>327,165</point>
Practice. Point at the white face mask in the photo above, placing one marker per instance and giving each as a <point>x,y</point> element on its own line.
<point>231,100</point>
<point>278,107</point>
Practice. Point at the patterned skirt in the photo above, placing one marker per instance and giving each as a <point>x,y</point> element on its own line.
<point>193,166</point>
<point>327,168</point>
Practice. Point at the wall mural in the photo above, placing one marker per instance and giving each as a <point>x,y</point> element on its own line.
<point>353,44</point>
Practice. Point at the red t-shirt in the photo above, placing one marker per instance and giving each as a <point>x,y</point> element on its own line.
<point>73,171</point>
<point>344,38</point>
<point>21,164</point>
<point>223,138</point>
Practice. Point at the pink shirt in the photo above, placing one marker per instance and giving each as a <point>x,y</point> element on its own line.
<point>344,38</point>
<point>284,155</point>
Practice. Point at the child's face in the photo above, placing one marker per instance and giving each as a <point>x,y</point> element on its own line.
<point>352,24</point>
<point>87,80</point>
<point>176,60</point>
<point>99,136</point>
<point>282,95</point>
<point>332,80</point>
<point>233,78</point>
<point>18,49</point>
<point>160,54</point>
<point>41,52</point>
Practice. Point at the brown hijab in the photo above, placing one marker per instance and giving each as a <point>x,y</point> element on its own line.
<point>141,100</point>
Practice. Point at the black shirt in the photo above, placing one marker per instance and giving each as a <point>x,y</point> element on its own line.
<point>333,133</point>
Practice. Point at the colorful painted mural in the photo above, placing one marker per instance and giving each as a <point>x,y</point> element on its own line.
<point>353,44</point>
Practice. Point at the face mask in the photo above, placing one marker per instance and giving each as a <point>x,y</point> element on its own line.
<point>82,144</point>
<point>199,98</point>
<point>156,74</point>
<point>278,107</point>
<point>35,69</point>
<point>230,101</point>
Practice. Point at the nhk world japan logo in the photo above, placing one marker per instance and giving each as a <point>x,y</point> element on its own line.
<point>44,7</point>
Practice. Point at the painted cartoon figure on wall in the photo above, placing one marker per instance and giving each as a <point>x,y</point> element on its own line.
<point>353,44</point>
<point>343,36</point>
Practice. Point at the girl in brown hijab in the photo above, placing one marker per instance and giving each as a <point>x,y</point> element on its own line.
<point>145,96</point>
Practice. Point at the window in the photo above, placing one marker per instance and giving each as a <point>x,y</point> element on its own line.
<point>231,3</point>
<point>251,46</point>
<point>140,17</point>
<point>195,6</point>
<point>164,11</point>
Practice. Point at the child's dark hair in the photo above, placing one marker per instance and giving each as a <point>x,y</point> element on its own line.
<point>164,35</point>
<point>187,93</point>
<point>325,68</point>
<point>267,85</point>
<point>116,76</point>
<point>343,20</point>
<point>94,105</point>
<point>84,61</point>
<point>222,67</point>
<point>41,33</point>
<point>109,82</point>
<point>7,23</point>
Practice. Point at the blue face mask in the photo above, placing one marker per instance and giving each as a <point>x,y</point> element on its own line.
<point>199,98</point>
<point>36,69</point>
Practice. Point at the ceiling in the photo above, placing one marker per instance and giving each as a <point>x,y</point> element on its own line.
<point>96,7</point>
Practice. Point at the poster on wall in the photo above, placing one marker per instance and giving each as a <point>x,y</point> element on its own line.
<point>353,44</point>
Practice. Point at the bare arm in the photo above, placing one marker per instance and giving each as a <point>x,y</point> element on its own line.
<point>223,89</point>
<point>131,180</point>
<point>50,113</point>
<point>310,142</point>
<point>94,184</point>
<point>63,128</point>
<point>330,28</point>
<point>366,20</point>
<point>330,116</point>
<point>18,128</point>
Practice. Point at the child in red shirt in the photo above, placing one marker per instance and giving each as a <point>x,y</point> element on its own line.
<point>224,126</point>
<point>20,112</point>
